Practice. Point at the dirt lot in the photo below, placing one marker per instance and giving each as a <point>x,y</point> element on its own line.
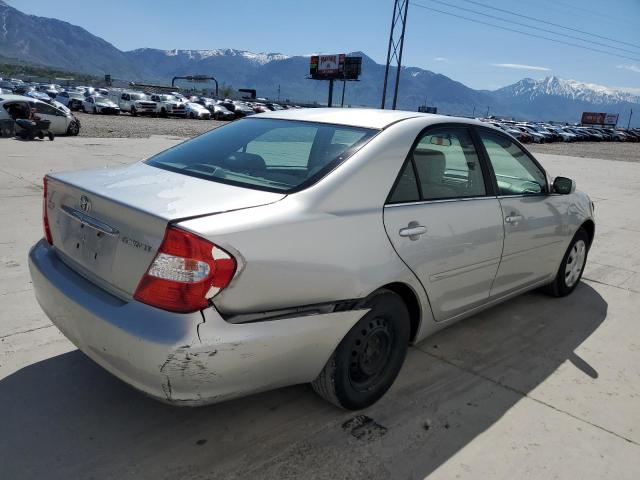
<point>624,152</point>
<point>126,126</point>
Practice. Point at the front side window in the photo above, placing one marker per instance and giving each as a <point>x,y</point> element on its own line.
<point>515,172</point>
<point>267,154</point>
<point>444,165</point>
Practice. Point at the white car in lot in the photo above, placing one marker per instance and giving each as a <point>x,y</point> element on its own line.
<point>18,106</point>
<point>71,98</point>
<point>195,110</point>
<point>100,105</point>
<point>168,105</point>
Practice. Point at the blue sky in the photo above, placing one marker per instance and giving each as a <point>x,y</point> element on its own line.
<point>477,55</point>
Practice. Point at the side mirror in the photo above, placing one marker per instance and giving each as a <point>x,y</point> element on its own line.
<point>564,185</point>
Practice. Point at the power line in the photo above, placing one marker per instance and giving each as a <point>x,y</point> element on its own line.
<point>524,33</point>
<point>534,27</point>
<point>551,23</point>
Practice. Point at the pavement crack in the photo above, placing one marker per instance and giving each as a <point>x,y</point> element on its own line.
<point>524,394</point>
<point>26,331</point>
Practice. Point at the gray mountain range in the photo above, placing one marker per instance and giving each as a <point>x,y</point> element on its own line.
<point>55,43</point>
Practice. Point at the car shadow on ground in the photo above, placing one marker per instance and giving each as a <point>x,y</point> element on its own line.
<point>65,417</point>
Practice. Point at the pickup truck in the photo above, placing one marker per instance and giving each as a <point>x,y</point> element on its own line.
<point>135,103</point>
<point>168,105</point>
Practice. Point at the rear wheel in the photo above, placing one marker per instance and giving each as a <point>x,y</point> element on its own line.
<point>367,361</point>
<point>572,266</point>
<point>133,111</point>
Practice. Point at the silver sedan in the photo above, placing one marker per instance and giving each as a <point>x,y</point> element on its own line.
<point>308,245</point>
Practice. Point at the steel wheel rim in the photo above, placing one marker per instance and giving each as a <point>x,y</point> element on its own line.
<point>575,263</point>
<point>370,353</point>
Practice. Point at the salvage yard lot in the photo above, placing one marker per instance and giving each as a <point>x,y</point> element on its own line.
<point>535,388</point>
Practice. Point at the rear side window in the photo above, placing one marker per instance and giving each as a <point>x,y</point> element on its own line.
<point>267,154</point>
<point>443,165</point>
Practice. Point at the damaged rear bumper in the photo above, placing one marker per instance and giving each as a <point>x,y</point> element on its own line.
<point>188,359</point>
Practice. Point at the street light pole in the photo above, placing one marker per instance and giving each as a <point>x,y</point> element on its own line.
<point>474,112</point>
<point>487,116</point>
<point>629,122</point>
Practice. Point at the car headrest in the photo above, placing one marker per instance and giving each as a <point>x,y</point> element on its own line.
<point>246,161</point>
<point>330,153</point>
<point>430,165</point>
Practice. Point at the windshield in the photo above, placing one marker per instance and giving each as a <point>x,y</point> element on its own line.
<point>138,96</point>
<point>266,154</point>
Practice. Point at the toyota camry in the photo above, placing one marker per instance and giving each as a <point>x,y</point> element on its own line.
<point>300,246</point>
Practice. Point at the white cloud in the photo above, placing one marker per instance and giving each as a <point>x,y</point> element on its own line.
<point>631,67</point>
<point>441,59</point>
<point>517,66</point>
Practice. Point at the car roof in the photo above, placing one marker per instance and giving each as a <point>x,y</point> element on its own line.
<point>13,98</point>
<point>359,117</point>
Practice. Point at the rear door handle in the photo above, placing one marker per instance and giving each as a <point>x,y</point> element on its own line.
<point>513,219</point>
<point>413,231</point>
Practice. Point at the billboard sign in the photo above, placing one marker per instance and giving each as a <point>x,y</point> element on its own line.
<point>327,66</point>
<point>599,118</point>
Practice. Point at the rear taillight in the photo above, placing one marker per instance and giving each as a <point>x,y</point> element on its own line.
<point>45,214</point>
<point>186,272</point>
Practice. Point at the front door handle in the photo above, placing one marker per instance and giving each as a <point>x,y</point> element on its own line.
<point>513,219</point>
<point>413,231</point>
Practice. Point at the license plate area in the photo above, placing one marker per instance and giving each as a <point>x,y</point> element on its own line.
<point>87,240</point>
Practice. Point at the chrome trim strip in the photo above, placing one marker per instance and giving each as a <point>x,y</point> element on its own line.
<point>90,221</point>
<point>443,200</point>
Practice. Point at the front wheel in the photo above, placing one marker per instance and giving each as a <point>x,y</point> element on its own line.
<point>73,128</point>
<point>367,361</point>
<point>572,266</point>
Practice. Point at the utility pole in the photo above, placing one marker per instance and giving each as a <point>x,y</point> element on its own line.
<point>629,122</point>
<point>344,83</point>
<point>474,112</point>
<point>394,50</point>
<point>487,116</point>
<point>278,92</point>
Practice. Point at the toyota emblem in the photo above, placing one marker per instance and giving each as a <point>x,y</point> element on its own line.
<point>85,204</point>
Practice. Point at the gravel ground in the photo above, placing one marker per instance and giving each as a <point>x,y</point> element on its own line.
<point>126,126</point>
<point>622,151</point>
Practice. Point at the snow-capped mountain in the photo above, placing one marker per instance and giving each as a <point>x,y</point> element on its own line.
<point>196,55</point>
<point>54,43</point>
<point>531,89</point>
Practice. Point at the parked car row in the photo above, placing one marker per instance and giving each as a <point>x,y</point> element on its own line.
<point>530,132</point>
<point>114,101</point>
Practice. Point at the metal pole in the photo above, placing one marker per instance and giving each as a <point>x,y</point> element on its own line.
<point>344,83</point>
<point>330,102</point>
<point>474,111</point>
<point>487,112</point>
<point>404,24</point>
<point>629,122</point>
<point>386,70</point>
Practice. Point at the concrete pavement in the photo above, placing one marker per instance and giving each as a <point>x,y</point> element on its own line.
<point>535,388</point>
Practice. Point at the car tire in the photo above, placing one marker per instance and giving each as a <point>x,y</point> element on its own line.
<point>133,111</point>
<point>95,110</point>
<point>192,116</point>
<point>73,129</point>
<point>571,267</point>
<point>368,359</point>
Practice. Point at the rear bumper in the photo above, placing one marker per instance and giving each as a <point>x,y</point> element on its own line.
<point>187,359</point>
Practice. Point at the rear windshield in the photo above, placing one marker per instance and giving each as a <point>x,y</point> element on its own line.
<point>265,154</point>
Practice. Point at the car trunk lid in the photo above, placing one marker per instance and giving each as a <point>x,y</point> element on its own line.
<point>108,224</point>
